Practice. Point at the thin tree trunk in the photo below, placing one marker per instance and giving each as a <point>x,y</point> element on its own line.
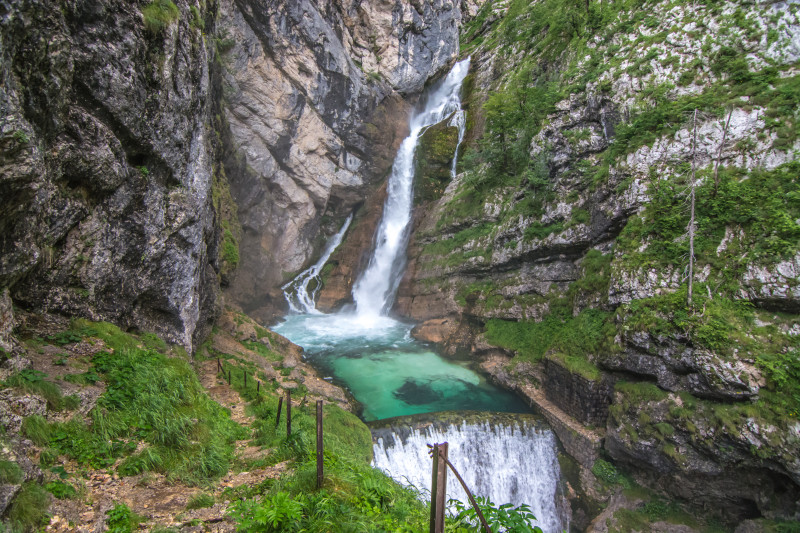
<point>719,153</point>
<point>691,219</point>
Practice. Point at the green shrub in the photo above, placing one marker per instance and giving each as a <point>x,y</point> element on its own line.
<point>61,490</point>
<point>589,333</point>
<point>605,471</point>
<point>159,14</point>
<point>121,519</point>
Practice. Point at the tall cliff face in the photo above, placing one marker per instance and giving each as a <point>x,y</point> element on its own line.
<point>150,148</point>
<point>314,97</point>
<point>564,243</point>
<point>106,165</point>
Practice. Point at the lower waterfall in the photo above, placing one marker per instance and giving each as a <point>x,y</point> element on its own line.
<point>509,462</point>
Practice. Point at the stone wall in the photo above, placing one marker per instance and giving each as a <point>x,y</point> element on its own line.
<point>585,400</point>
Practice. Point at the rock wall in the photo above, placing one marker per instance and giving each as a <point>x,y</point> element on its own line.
<point>317,96</point>
<point>107,157</point>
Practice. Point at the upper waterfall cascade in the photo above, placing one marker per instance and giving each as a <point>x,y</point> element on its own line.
<point>374,291</point>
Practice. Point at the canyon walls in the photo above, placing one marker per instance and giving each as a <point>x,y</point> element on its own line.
<point>559,256</point>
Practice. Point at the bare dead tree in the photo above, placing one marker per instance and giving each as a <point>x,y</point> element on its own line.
<point>691,219</point>
<point>719,153</point>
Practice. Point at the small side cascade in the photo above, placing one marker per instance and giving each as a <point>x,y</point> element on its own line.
<point>459,121</point>
<point>301,292</point>
<point>514,464</point>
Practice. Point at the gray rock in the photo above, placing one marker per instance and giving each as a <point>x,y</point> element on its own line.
<point>107,166</point>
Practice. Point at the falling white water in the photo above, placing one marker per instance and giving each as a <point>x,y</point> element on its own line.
<point>374,291</point>
<point>508,464</point>
<point>297,293</point>
<point>459,121</point>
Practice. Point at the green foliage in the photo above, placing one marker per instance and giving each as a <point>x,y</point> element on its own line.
<point>230,249</point>
<point>10,472</point>
<point>159,14</point>
<point>61,490</point>
<point>589,333</point>
<point>36,428</point>
<point>29,508</point>
<point>505,517</point>
<point>120,519</point>
<point>276,512</point>
<point>763,204</point>
<point>20,136</point>
<point>152,398</point>
<point>539,231</point>
<point>200,501</point>
<point>605,471</point>
<point>33,382</point>
<point>446,246</point>
<point>197,19</point>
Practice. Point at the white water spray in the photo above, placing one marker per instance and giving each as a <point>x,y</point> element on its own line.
<point>508,464</point>
<point>374,291</point>
<point>297,293</point>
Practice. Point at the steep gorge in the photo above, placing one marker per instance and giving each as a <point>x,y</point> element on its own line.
<point>148,168</point>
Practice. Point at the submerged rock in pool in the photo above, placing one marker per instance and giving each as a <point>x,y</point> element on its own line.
<point>415,392</point>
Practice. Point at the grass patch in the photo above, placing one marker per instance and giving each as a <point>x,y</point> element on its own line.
<point>152,398</point>
<point>159,14</point>
<point>61,490</point>
<point>34,382</point>
<point>28,511</point>
<point>10,472</point>
<point>589,333</point>
<point>200,501</point>
<point>36,428</point>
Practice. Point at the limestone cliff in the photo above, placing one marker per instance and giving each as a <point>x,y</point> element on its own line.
<point>563,241</point>
<point>315,96</point>
<point>106,162</point>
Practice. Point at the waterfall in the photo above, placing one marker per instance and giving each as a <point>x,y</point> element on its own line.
<point>513,463</point>
<point>374,291</point>
<point>297,293</point>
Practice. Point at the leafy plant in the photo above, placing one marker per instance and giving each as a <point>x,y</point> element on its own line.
<point>120,519</point>
<point>277,512</point>
<point>501,518</point>
<point>61,490</point>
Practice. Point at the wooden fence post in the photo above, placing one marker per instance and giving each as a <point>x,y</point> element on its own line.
<point>229,377</point>
<point>288,412</point>
<point>438,487</point>
<point>245,377</point>
<point>278,418</point>
<point>258,386</point>
<point>319,445</point>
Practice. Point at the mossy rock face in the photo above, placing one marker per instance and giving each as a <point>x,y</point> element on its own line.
<point>434,159</point>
